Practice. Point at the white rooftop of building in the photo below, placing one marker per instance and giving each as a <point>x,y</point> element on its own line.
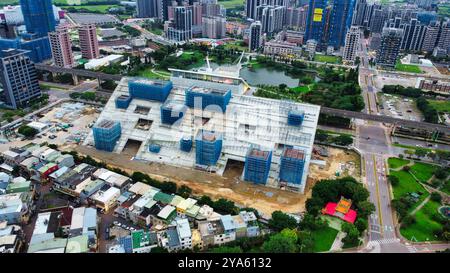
<point>166,211</point>
<point>248,120</point>
<point>106,196</point>
<point>183,228</point>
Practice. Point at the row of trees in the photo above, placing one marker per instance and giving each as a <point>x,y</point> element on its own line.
<point>340,139</point>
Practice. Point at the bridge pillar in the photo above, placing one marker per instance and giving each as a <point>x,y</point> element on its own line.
<point>75,79</point>
<point>99,83</point>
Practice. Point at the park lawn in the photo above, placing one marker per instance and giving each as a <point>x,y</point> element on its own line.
<point>440,105</point>
<point>424,227</point>
<point>229,4</point>
<point>148,73</point>
<point>395,163</point>
<point>323,238</point>
<point>406,185</point>
<point>407,68</point>
<point>302,89</point>
<point>327,59</point>
<point>423,171</point>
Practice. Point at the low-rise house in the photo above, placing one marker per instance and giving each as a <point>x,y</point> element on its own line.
<point>14,156</point>
<point>169,239</point>
<point>113,179</point>
<point>64,160</point>
<point>5,179</point>
<point>164,198</point>
<point>78,244</point>
<point>19,186</point>
<point>58,173</point>
<point>49,154</point>
<point>184,205</point>
<point>251,221</point>
<point>46,170</point>
<point>184,233</point>
<point>54,245</point>
<point>125,208</point>
<point>67,183</point>
<point>214,233</point>
<point>85,222</point>
<point>91,187</point>
<point>28,164</point>
<point>15,207</point>
<point>142,189</point>
<point>11,238</point>
<point>165,216</point>
<point>106,197</point>
<point>143,241</point>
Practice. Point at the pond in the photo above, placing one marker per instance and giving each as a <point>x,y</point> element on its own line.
<point>263,76</point>
<point>267,77</point>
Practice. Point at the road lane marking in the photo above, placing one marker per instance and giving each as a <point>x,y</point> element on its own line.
<point>378,196</point>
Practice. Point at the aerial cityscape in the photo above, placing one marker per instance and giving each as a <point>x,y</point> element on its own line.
<point>224,126</point>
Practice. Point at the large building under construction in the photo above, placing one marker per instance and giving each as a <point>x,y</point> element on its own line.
<point>205,123</point>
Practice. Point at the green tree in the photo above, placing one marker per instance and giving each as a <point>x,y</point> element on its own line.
<point>283,242</point>
<point>361,224</point>
<point>27,131</point>
<point>343,140</point>
<point>184,191</point>
<point>436,197</point>
<point>420,152</point>
<point>226,249</point>
<point>352,237</point>
<point>393,180</point>
<point>280,221</point>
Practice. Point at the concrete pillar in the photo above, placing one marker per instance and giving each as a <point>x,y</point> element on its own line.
<point>99,83</point>
<point>75,79</point>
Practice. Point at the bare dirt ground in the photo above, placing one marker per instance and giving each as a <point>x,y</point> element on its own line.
<point>264,199</point>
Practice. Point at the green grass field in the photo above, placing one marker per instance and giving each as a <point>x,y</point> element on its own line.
<point>423,171</point>
<point>395,163</point>
<point>410,68</point>
<point>229,4</point>
<point>408,185</point>
<point>323,239</point>
<point>303,89</point>
<point>327,59</point>
<point>148,73</point>
<point>424,227</point>
<point>440,105</point>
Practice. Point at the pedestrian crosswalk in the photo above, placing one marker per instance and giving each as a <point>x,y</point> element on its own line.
<point>411,248</point>
<point>383,241</point>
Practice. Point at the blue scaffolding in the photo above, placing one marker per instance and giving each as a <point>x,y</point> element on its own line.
<point>295,118</point>
<point>123,101</point>
<point>106,134</point>
<point>208,147</point>
<point>146,89</point>
<point>257,165</point>
<point>186,144</point>
<point>171,112</point>
<point>292,165</point>
<point>201,98</point>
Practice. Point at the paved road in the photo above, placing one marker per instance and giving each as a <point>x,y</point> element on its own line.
<point>373,142</point>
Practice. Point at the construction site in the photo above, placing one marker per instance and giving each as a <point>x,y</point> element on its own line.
<point>209,128</point>
<point>336,163</point>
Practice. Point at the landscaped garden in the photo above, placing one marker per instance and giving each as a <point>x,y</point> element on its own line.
<point>323,238</point>
<point>396,163</point>
<point>423,171</point>
<point>425,225</point>
<point>327,59</point>
<point>410,68</point>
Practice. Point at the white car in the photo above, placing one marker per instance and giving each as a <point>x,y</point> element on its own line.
<point>119,224</point>
<point>115,223</point>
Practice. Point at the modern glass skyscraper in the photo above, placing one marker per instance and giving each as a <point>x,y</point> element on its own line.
<point>38,16</point>
<point>340,21</point>
<point>315,24</point>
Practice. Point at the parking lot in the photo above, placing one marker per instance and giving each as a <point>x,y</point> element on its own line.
<point>398,107</point>
<point>68,123</point>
